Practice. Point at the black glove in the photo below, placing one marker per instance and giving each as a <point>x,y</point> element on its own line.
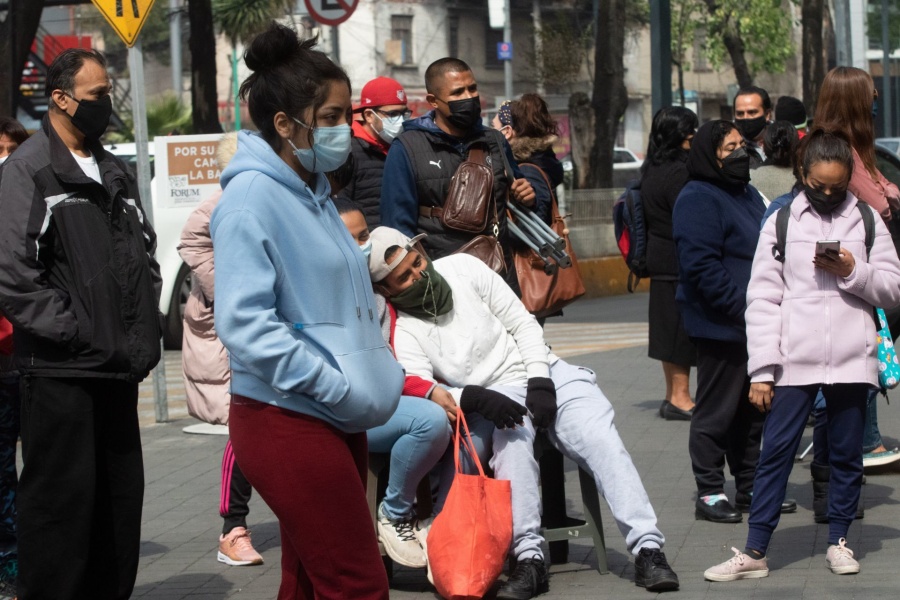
<point>541,401</point>
<point>492,405</point>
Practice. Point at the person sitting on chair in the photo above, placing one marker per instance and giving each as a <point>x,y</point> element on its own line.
<point>507,376</point>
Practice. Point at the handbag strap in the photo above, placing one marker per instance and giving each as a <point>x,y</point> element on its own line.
<point>470,447</point>
<point>476,155</point>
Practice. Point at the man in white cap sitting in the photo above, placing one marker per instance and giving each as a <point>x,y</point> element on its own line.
<point>460,324</point>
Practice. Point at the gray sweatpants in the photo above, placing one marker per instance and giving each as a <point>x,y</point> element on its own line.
<point>584,432</point>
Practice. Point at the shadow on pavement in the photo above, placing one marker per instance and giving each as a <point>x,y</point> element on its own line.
<point>212,586</point>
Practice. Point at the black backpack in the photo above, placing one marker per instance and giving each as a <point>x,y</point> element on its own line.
<point>631,232</point>
<point>782,217</point>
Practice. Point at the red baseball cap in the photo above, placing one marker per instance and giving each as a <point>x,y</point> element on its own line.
<point>381,91</point>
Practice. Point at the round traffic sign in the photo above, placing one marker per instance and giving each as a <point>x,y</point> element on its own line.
<point>330,12</point>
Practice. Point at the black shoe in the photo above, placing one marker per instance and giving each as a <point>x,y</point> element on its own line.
<point>720,512</point>
<point>742,503</point>
<point>670,412</point>
<point>652,571</point>
<point>527,580</point>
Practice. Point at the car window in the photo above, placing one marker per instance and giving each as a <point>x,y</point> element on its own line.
<point>131,161</point>
<point>623,156</point>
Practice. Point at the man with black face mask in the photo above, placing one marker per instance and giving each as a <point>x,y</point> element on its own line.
<point>419,168</point>
<point>752,112</point>
<point>80,285</point>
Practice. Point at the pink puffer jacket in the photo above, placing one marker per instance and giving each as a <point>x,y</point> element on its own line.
<point>207,375</point>
<point>808,326</point>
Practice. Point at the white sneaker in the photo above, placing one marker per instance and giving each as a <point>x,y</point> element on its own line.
<point>400,541</point>
<point>739,567</point>
<point>840,559</point>
<point>421,529</point>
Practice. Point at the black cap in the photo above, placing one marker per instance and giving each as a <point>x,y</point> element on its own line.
<point>792,110</point>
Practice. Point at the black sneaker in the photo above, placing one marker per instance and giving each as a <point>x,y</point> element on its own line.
<point>652,571</point>
<point>527,580</point>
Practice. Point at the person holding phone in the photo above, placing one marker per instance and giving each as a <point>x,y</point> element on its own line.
<point>792,356</point>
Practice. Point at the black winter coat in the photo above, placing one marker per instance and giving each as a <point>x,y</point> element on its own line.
<point>77,275</point>
<point>660,186</point>
<point>364,190</point>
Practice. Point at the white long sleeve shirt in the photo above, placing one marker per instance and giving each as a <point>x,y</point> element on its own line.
<point>488,338</point>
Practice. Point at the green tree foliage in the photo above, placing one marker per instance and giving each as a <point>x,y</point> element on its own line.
<point>755,34</point>
<point>684,27</point>
<point>154,37</point>
<point>166,114</point>
<point>873,24</point>
<point>240,20</point>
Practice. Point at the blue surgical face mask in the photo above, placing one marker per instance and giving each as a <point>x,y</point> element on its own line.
<point>331,146</point>
<point>390,127</point>
<point>366,248</point>
<point>875,108</point>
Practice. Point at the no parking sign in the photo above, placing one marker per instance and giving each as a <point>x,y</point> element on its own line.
<point>330,12</point>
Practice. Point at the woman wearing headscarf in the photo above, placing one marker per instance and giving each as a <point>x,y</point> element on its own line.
<point>716,229</point>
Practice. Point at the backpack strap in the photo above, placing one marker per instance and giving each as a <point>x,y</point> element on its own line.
<point>869,224</point>
<point>782,217</point>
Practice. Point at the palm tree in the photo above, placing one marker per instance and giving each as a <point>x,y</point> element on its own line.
<point>241,20</point>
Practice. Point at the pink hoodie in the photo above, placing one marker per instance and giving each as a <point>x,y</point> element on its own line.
<point>805,325</point>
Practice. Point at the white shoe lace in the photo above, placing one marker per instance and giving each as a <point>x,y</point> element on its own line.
<point>842,549</point>
<point>738,559</point>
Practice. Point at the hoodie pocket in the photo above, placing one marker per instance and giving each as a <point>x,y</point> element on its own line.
<point>375,380</point>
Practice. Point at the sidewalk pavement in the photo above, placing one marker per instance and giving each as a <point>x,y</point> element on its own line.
<point>181,523</point>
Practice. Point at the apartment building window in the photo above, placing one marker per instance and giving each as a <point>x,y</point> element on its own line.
<point>401,31</point>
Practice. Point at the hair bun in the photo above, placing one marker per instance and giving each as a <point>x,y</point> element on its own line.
<point>274,46</point>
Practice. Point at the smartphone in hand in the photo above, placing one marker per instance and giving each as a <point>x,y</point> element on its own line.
<point>829,247</point>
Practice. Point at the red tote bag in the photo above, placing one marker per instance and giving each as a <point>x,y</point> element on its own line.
<point>470,538</point>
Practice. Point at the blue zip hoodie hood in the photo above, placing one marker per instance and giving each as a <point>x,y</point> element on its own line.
<point>294,305</point>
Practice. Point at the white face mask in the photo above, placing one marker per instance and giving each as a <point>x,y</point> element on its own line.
<point>366,248</point>
<point>3,159</point>
<point>390,127</point>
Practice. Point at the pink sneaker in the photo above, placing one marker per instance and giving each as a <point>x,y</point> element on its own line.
<point>840,559</point>
<point>739,567</point>
<point>235,549</point>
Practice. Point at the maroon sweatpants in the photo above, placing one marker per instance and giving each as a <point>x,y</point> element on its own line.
<point>312,477</point>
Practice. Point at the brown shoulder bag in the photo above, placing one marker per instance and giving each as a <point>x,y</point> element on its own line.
<point>467,205</point>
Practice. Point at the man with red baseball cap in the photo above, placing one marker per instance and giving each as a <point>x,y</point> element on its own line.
<point>382,106</point>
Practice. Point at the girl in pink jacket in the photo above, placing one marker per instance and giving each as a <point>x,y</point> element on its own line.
<point>810,324</point>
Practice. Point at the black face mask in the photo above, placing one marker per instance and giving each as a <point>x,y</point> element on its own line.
<point>821,202</point>
<point>92,117</point>
<point>464,114</point>
<point>750,128</point>
<point>736,167</point>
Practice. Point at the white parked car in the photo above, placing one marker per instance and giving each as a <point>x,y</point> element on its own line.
<point>168,223</point>
<point>623,159</point>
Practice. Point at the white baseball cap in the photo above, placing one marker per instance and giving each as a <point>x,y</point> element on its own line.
<point>382,239</point>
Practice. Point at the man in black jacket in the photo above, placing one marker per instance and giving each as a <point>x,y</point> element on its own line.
<point>79,283</point>
<point>421,164</point>
<point>382,106</point>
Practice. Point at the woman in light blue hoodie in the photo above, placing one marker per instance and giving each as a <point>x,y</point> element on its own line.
<point>294,308</point>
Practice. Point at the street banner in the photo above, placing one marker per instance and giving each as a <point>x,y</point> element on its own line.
<point>187,171</point>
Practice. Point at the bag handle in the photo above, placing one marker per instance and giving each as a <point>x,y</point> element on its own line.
<point>470,447</point>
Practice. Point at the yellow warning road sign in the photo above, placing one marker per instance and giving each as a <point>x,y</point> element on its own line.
<point>125,16</point>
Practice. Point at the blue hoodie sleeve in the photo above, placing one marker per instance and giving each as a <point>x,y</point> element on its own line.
<point>700,241</point>
<point>245,312</point>
<point>399,198</point>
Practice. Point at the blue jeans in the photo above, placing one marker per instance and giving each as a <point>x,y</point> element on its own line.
<point>416,436</point>
<point>9,435</point>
